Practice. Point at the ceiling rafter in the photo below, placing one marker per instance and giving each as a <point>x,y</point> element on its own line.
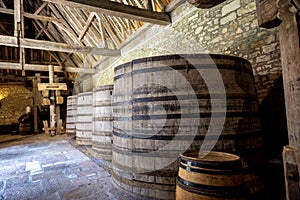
<point>117,9</point>
<point>54,46</point>
<point>2,4</point>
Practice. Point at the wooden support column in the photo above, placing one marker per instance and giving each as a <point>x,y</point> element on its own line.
<point>36,102</point>
<point>19,30</point>
<point>290,57</point>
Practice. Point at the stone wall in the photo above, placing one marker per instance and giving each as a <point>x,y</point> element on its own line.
<point>14,100</point>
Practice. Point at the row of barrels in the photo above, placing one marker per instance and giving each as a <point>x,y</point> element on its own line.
<point>165,105</point>
<point>89,118</point>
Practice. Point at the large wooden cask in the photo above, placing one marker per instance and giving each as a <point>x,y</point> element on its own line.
<point>84,125</point>
<point>166,105</point>
<point>102,122</point>
<point>71,115</point>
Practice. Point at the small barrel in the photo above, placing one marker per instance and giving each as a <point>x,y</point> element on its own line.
<point>26,127</point>
<point>211,176</point>
<point>102,122</point>
<point>71,115</point>
<point>84,125</point>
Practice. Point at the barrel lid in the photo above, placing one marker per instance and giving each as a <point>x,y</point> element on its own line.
<point>211,156</point>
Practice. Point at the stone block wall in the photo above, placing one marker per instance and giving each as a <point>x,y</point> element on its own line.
<point>14,100</point>
<point>229,28</point>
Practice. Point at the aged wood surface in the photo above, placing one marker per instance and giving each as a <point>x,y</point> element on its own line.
<point>55,46</point>
<point>290,58</point>
<point>118,9</point>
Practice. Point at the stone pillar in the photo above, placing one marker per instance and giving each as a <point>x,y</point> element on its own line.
<point>288,12</point>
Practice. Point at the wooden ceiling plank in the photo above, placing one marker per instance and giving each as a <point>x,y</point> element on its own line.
<point>64,26</point>
<point>45,4</point>
<point>116,40</point>
<point>160,4</point>
<point>101,28</point>
<point>118,9</point>
<point>7,11</point>
<point>40,17</point>
<point>116,27</point>
<point>87,25</point>
<point>39,29</point>
<point>81,18</point>
<point>29,15</point>
<point>2,4</point>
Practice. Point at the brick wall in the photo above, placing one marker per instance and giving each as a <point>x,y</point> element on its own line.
<point>14,102</point>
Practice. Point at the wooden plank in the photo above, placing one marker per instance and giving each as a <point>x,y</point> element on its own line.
<point>117,9</point>
<point>87,26</point>
<point>267,11</point>
<point>41,8</point>
<point>7,11</point>
<point>52,86</point>
<point>40,17</point>
<point>29,15</point>
<point>290,59</point>
<point>33,67</point>
<point>2,4</point>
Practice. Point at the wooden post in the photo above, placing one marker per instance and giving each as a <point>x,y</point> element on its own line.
<point>290,58</point>
<point>36,101</point>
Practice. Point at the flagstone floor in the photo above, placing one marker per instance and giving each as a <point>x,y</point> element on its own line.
<point>40,168</point>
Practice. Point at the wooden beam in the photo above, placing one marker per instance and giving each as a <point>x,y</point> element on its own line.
<point>54,46</point>
<point>12,77</point>
<point>117,9</point>
<point>33,67</point>
<point>41,8</point>
<point>2,4</point>
<point>40,17</point>
<point>29,15</point>
<point>87,25</point>
<point>7,11</point>
<point>289,37</point>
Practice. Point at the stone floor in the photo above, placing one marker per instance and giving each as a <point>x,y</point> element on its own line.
<point>40,168</point>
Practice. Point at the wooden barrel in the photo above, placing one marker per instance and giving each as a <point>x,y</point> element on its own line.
<point>155,114</point>
<point>84,125</point>
<point>212,176</point>
<point>26,127</point>
<point>102,122</point>
<point>71,115</point>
